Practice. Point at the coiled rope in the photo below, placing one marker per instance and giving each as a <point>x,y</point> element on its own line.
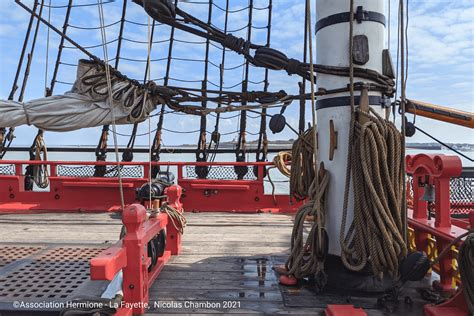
<point>280,161</point>
<point>301,170</point>
<point>466,269</point>
<point>302,165</point>
<point>377,229</point>
<point>374,164</point>
<point>40,172</point>
<point>177,218</point>
<point>307,257</point>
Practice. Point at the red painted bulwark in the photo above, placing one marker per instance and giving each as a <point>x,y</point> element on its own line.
<point>202,195</point>
<point>92,194</point>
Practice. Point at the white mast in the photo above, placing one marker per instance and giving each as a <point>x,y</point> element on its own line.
<point>332,49</point>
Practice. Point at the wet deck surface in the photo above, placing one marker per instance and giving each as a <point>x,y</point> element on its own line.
<point>225,266</point>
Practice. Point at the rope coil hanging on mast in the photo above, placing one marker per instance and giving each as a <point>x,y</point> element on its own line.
<point>375,153</point>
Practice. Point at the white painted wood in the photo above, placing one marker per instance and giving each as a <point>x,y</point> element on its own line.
<point>332,48</point>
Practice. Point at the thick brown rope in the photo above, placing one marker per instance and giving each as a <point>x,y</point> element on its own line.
<point>466,264</point>
<point>374,165</point>
<point>302,165</point>
<point>377,229</point>
<point>305,257</point>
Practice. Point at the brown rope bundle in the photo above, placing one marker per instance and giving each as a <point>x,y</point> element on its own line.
<point>302,164</point>
<point>376,233</point>
<point>307,256</point>
<point>466,269</point>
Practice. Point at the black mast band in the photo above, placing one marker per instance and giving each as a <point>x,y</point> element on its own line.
<point>360,16</point>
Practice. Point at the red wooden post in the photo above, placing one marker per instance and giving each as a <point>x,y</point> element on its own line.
<point>135,276</point>
<point>173,236</point>
<point>442,202</point>
<point>445,268</point>
<point>438,169</point>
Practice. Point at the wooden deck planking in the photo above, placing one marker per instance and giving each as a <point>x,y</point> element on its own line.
<point>226,256</point>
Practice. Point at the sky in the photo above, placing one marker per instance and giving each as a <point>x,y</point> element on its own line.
<point>441,61</point>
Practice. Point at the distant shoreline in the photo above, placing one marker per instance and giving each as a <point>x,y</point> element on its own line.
<point>274,146</point>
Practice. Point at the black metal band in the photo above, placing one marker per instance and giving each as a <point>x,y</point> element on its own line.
<point>360,16</point>
<point>346,101</point>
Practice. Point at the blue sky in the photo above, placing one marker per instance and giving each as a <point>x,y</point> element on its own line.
<point>441,55</point>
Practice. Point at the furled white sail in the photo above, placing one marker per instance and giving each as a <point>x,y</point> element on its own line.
<point>86,105</point>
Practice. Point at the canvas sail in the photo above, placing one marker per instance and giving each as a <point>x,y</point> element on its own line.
<point>86,105</point>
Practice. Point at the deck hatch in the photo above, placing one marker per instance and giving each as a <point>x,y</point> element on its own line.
<point>55,273</point>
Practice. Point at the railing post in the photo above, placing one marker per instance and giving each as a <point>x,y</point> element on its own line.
<point>135,276</point>
<point>445,268</point>
<point>420,207</point>
<point>437,170</point>
<point>173,236</point>
<point>442,202</point>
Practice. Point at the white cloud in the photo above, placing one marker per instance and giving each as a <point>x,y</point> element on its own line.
<point>441,70</point>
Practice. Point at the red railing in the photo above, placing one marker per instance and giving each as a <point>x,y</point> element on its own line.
<point>436,170</point>
<point>432,235</point>
<point>66,193</point>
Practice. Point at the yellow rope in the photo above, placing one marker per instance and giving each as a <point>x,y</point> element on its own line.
<point>177,218</point>
<point>280,161</point>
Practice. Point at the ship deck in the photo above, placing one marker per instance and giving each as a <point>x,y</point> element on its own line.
<point>226,258</point>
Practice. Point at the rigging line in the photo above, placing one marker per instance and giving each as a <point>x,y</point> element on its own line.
<point>313,116</point>
<point>46,92</point>
<point>120,35</point>
<point>403,119</point>
<point>240,152</point>
<point>139,23</point>
<point>30,56</point>
<point>444,144</point>
<point>91,46</point>
<point>144,42</point>
<point>262,138</point>
<point>55,29</point>
<point>151,31</point>
<point>389,22</point>
<point>80,27</point>
<point>222,70</point>
<point>146,78</point>
<point>79,5</point>
<point>60,48</point>
<point>398,61</point>
<point>103,137</point>
<point>201,148</point>
<point>109,87</point>
<point>227,10</point>
<point>6,141</point>
<point>23,50</point>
